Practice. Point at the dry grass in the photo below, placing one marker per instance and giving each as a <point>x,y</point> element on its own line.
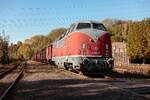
<point>71,74</point>
<point>139,69</point>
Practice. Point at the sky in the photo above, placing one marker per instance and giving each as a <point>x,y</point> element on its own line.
<point>22,19</point>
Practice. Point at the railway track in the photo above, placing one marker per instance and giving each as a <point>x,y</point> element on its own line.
<point>12,85</point>
<point>3,73</point>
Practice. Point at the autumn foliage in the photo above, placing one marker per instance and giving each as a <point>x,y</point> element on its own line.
<point>137,36</point>
<point>25,50</point>
<point>4,57</point>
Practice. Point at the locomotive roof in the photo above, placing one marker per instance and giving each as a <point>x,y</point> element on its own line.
<point>87,21</point>
<point>75,24</point>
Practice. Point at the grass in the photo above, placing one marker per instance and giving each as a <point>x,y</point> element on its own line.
<point>134,69</point>
<point>129,75</point>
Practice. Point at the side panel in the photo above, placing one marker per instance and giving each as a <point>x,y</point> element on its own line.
<point>75,60</point>
<point>49,53</point>
<point>38,56</point>
<point>43,55</point>
<point>78,43</point>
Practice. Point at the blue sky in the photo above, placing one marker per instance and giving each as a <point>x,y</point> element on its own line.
<point>22,19</point>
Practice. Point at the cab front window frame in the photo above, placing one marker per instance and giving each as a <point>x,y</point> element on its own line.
<point>83,26</point>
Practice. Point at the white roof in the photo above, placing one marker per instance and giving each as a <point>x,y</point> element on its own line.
<point>88,21</point>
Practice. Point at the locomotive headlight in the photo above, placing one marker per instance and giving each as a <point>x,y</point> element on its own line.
<point>91,40</point>
<point>84,47</point>
<point>96,61</point>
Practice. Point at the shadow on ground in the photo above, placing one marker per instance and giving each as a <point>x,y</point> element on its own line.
<point>70,89</point>
<point>128,75</point>
<point>115,74</point>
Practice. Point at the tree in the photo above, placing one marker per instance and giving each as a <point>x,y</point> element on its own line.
<point>118,32</point>
<point>111,22</point>
<point>54,34</point>
<point>117,28</point>
<point>25,52</point>
<point>137,42</point>
<point>146,33</point>
<point>4,48</point>
<point>28,41</point>
<point>13,52</point>
<point>38,42</point>
<point>19,43</point>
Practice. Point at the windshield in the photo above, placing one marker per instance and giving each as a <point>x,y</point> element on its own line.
<point>83,25</point>
<point>99,26</point>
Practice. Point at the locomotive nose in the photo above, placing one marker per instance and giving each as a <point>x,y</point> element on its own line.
<point>97,36</point>
<point>98,43</point>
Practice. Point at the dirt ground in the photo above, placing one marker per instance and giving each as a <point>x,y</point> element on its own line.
<point>52,83</point>
<point>141,69</point>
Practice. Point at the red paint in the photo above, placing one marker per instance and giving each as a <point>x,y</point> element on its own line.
<point>49,52</point>
<point>74,45</point>
<point>78,43</point>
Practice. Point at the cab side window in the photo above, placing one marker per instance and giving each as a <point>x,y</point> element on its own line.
<point>70,29</point>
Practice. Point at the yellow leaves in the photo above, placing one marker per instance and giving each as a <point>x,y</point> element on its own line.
<point>24,51</point>
<point>138,43</point>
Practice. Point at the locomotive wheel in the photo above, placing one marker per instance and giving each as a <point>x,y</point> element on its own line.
<point>51,62</point>
<point>66,66</point>
<point>71,68</point>
<point>82,68</point>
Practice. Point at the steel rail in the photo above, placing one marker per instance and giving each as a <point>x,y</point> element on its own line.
<point>4,95</point>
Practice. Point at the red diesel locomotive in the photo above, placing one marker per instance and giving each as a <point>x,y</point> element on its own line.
<point>86,46</point>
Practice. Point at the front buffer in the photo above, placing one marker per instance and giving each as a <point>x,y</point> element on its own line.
<point>96,65</point>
